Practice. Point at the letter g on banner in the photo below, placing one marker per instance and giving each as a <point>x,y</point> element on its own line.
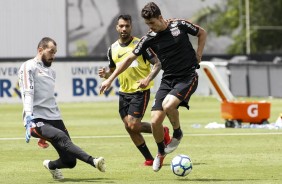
<point>253,110</point>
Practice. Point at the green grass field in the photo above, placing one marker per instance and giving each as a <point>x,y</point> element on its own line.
<point>218,155</point>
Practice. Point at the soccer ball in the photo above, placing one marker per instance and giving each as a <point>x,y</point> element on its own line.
<point>181,165</point>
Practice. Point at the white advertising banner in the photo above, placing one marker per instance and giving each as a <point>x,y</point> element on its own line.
<point>75,82</point>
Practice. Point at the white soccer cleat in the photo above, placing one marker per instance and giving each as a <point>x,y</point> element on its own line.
<point>172,145</point>
<point>100,164</point>
<point>158,162</point>
<point>56,174</point>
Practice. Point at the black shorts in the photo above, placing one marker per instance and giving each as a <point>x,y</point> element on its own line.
<point>180,88</point>
<point>134,104</point>
<point>48,129</point>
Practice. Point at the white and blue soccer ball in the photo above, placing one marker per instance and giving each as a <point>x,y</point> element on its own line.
<point>181,165</point>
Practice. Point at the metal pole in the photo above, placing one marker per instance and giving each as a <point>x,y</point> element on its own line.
<point>248,41</point>
<point>241,21</point>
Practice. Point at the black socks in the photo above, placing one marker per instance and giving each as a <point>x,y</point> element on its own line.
<point>145,151</point>
<point>177,133</point>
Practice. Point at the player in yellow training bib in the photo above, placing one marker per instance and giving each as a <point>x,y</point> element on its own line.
<point>135,83</point>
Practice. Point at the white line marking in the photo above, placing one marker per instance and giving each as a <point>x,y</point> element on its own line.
<point>189,135</point>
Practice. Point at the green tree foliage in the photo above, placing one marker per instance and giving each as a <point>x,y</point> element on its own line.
<point>228,18</point>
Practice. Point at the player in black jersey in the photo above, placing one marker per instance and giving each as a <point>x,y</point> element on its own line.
<point>170,41</point>
<point>133,98</point>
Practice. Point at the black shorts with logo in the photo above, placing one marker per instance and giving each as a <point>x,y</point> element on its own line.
<point>134,104</point>
<point>180,88</point>
<point>48,129</point>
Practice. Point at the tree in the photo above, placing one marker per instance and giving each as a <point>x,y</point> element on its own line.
<point>228,19</point>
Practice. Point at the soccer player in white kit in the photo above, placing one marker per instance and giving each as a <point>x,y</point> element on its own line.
<point>41,115</point>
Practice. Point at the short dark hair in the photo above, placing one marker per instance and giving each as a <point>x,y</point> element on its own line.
<point>150,10</point>
<point>44,42</point>
<point>125,17</point>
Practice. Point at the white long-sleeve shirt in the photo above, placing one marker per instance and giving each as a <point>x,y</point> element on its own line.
<point>37,84</point>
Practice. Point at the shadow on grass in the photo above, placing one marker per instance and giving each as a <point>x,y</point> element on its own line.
<point>168,164</point>
<point>217,180</point>
<point>199,163</point>
<point>97,180</point>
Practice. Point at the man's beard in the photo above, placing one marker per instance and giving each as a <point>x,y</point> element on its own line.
<point>126,36</point>
<point>45,61</point>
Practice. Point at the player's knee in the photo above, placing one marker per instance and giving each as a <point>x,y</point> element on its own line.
<point>132,127</point>
<point>70,163</point>
<point>62,139</point>
<point>157,118</point>
<point>61,136</point>
<point>155,123</point>
<point>168,108</point>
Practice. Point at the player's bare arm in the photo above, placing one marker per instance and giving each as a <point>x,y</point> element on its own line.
<point>103,73</point>
<point>119,69</point>
<point>202,35</point>
<point>154,72</point>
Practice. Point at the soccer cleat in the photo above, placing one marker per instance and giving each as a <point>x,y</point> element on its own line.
<point>172,145</point>
<point>99,163</point>
<point>42,143</point>
<point>166,136</point>
<point>158,162</point>
<point>148,162</point>
<point>56,173</point>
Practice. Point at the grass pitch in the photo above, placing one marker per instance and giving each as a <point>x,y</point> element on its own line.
<point>218,155</point>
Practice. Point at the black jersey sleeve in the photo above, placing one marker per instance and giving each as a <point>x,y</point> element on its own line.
<point>141,46</point>
<point>148,54</point>
<point>110,59</point>
<point>188,27</point>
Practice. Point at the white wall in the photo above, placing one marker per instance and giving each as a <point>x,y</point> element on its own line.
<point>25,22</point>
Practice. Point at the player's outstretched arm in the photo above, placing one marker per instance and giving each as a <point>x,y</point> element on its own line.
<point>121,67</point>
<point>154,72</point>
<point>202,36</point>
<point>105,74</point>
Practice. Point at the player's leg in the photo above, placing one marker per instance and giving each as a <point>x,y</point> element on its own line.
<point>67,157</point>
<point>71,151</point>
<point>138,139</point>
<point>178,96</point>
<point>132,108</point>
<point>158,114</point>
<point>135,125</point>
<point>157,118</point>
<point>56,133</point>
<point>170,105</point>
<point>39,131</point>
